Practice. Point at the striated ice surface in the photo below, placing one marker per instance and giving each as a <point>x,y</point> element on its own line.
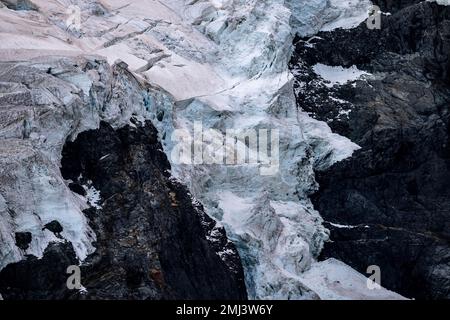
<point>224,63</point>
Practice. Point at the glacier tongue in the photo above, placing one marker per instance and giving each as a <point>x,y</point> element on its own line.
<point>225,62</point>
<point>270,218</point>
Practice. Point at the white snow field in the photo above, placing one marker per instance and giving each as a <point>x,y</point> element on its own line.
<point>224,63</point>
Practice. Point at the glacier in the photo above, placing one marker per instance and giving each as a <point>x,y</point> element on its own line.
<point>223,63</point>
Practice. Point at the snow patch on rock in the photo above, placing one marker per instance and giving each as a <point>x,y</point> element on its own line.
<point>337,75</point>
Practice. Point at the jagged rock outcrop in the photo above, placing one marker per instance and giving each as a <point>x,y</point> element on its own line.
<point>150,238</point>
<point>39,279</point>
<point>388,204</point>
<point>137,232</point>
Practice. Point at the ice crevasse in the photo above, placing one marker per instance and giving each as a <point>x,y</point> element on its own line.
<point>224,63</point>
<point>270,218</point>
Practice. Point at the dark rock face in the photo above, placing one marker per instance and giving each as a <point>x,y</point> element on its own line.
<point>75,187</point>
<point>153,241</point>
<point>55,227</point>
<point>23,240</point>
<point>395,191</point>
<point>43,279</point>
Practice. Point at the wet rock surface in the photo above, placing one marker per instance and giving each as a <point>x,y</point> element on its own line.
<point>388,205</point>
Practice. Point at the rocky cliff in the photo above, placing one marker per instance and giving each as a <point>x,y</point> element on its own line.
<point>388,90</point>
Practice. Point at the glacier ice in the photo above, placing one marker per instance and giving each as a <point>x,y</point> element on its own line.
<point>223,63</point>
<point>32,190</point>
<point>271,219</point>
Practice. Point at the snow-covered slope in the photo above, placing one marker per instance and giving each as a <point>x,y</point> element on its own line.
<point>225,64</point>
<point>330,280</point>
